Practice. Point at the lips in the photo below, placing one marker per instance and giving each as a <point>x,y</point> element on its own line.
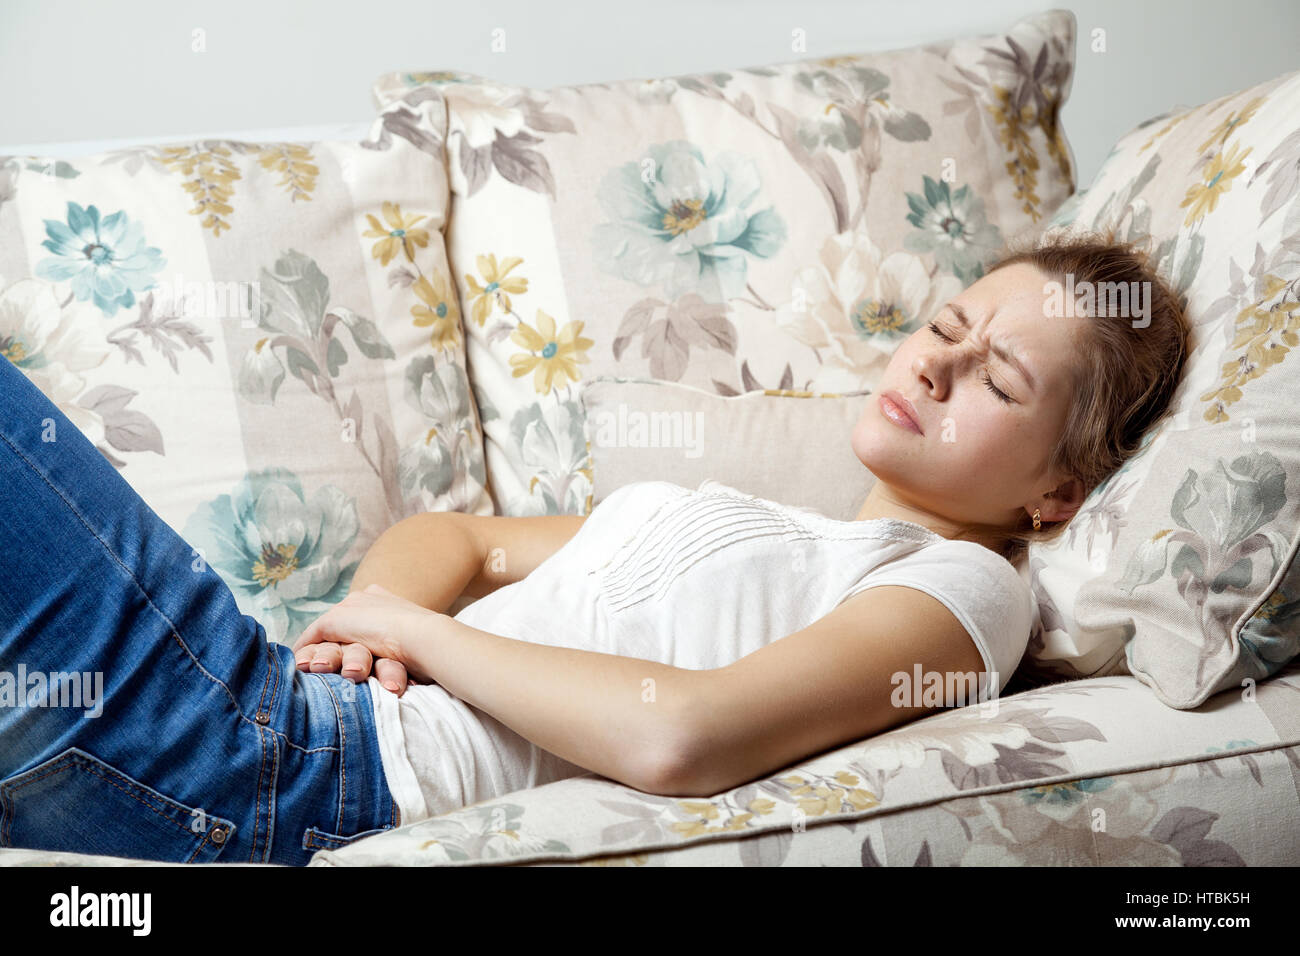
<point>900,406</point>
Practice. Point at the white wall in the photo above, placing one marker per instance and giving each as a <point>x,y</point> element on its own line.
<point>92,70</point>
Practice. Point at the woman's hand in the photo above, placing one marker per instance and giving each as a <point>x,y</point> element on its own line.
<point>368,628</point>
<point>353,661</point>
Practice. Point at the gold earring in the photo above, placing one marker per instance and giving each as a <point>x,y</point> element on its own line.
<point>1038,524</point>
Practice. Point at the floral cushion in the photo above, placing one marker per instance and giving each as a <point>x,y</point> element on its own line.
<point>263,337</point>
<point>1181,569</point>
<point>1086,773</point>
<point>780,227</point>
<point>786,446</point>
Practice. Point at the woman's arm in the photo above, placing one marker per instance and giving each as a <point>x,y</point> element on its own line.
<point>619,716</point>
<point>428,558</point>
<point>434,559</point>
<point>675,731</point>
<point>850,674</point>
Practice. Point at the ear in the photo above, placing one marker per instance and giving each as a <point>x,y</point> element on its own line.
<point>1063,502</point>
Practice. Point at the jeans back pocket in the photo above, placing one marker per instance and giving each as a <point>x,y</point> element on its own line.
<point>77,803</point>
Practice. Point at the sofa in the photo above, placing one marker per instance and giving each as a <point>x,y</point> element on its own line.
<point>438,309</point>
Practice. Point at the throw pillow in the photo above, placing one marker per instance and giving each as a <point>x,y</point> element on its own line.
<point>263,337</point>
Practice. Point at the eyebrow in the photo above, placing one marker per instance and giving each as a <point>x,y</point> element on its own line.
<point>997,349</point>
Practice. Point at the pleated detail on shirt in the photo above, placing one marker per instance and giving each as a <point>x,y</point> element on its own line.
<point>681,533</point>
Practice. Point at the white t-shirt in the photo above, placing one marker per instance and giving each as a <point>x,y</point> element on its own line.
<point>694,579</point>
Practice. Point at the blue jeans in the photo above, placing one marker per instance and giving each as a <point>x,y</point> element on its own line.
<point>141,713</point>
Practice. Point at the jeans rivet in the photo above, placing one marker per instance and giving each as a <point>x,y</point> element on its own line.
<point>218,834</point>
<point>263,717</point>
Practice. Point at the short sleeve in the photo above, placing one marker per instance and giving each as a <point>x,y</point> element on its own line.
<point>983,590</point>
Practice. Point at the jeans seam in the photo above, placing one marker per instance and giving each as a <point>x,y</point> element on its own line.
<point>334,841</point>
<point>270,793</point>
<point>343,765</point>
<point>257,805</point>
<point>272,674</point>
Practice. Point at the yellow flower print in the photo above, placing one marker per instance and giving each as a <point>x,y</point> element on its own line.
<point>1165,129</point>
<point>276,564</point>
<point>1219,174</point>
<point>495,286</point>
<point>684,215</point>
<point>703,808</point>
<point>1225,129</point>
<point>822,799</point>
<point>554,355</point>
<point>439,310</point>
<point>437,76</point>
<point>397,236</point>
<point>690,828</point>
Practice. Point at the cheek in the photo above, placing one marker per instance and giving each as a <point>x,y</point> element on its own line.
<point>983,434</point>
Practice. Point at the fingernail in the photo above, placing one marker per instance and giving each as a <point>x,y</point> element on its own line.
<point>391,685</point>
<point>352,669</point>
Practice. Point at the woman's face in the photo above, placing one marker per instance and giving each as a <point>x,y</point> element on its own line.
<point>981,457</point>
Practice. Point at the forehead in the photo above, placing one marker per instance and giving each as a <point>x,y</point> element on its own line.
<point>1017,298</point>
<point>1020,284</point>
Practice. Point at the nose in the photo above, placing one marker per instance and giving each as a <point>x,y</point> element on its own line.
<point>933,374</point>
<point>937,364</point>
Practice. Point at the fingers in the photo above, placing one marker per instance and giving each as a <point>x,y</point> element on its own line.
<point>353,661</point>
<point>306,656</point>
<point>392,675</point>
<point>357,661</point>
<point>318,658</point>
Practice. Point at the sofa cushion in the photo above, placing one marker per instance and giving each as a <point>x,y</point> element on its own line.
<point>779,227</point>
<point>786,446</point>
<point>263,337</point>
<point>1181,568</point>
<point>1021,783</point>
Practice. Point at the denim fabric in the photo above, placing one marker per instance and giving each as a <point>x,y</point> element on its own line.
<point>141,713</point>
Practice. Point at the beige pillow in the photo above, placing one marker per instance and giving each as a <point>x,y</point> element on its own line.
<point>1181,569</point>
<point>790,447</point>
<point>777,227</point>
<point>263,337</point>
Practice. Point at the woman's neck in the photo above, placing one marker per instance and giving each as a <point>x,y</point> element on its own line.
<point>883,502</point>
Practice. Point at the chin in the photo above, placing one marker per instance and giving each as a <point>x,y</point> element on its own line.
<point>877,442</point>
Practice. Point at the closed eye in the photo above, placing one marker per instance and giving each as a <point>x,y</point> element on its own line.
<point>1002,396</point>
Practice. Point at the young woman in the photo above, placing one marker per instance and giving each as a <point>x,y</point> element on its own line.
<point>678,641</point>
